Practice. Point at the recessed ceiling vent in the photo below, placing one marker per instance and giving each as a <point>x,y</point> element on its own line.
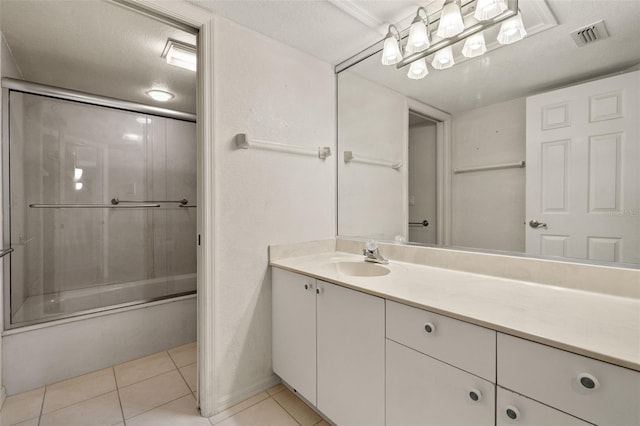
<point>590,33</point>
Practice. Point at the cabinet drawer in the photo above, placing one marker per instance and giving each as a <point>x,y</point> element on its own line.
<point>592,390</point>
<point>424,391</point>
<point>466,346</point>
<point>514,409</point>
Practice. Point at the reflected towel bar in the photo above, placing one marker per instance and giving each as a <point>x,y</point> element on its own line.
<point>5,252</point>
<point>187,207</point>
<point>349,157</point>
<point>517,165</point>
<point>423,223</point>
<point>242,141</point>
<point>116,201</point>
<point>91,206</point>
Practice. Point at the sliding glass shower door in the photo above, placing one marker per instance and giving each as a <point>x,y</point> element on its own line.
<point>101,207</point>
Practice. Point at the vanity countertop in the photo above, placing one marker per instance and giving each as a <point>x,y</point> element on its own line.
<point>596,325</point>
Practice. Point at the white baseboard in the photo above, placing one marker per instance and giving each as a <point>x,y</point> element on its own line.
<point>232,399</point>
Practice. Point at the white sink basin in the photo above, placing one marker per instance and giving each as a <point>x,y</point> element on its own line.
<point>361,269</point>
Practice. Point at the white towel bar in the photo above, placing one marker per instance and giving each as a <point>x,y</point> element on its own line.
<point>350,157</point>
<point>244,142</point>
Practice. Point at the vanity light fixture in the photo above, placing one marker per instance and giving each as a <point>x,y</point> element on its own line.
<point>474,46</point>
<point>452,28</point>
<point>391,53</point>
<point>418,69</point>
<point>451,23</point>
<point>180,54</point>
<point>487,9</point>
<point>512,30</point>
<point>160,95</point>
<point>443,59</point>
<point>419,33</point>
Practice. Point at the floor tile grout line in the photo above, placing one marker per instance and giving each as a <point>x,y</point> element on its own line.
<point>80,402</point>
<point>286,411</point>
<point>180,373</point>
<point>150,377</point>
<point>151,409</point>
<point>244,409</point>
<point>124,421</point>
<point>44,394</point>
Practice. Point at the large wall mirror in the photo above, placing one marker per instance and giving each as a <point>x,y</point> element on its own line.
<point>530,148</point>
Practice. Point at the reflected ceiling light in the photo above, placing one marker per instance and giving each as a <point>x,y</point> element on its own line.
<point>487,9</point>
<point>443,59</point>
<point>450,21</point>
<point>512,30</point>
<point>474,46</point>
<point>143,120</point>
<point>418,69</point>
<point>78,186</point>
<point>180,54</point>
<point>131,137</point>
<point>77,174</point>
<point>418,33</point>
<point>160,95</point>
<point>391,51</point>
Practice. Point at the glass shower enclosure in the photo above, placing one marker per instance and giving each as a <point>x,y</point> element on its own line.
<point>99,208</point>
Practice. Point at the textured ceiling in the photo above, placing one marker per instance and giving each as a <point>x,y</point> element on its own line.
<point>102,48</point>
<point>96,47</point>
<point>541,62</point>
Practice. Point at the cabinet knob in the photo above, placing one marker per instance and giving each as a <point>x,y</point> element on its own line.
<point>318,290</point>
<point>512,412</point>
<point>588,381</point>
<point>429,328</point>
<point>308,286</point>
<point>475,395</point>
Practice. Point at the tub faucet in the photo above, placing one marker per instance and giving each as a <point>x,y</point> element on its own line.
<point>372,254</point>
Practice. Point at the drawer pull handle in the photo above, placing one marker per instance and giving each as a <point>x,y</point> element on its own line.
<point>512,412</point>
<point>429,328</point>
<point>588,381</point>
<point>475,395</point>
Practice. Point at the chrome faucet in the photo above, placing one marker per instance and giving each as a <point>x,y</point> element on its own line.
<point>372,254</point>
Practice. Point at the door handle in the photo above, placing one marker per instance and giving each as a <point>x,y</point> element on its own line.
<point>536,225</point>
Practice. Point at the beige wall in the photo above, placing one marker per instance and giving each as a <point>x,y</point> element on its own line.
<point>275,93</point>
<point>488,206</point>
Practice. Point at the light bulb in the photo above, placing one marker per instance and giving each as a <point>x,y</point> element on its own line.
<point>512,30</point>
<point>78,186</point>
<point>443,58</point>
<point>391,52</point>
<point>474,46</point>
<point>450,21</point>
<point>418,37</point>
<point>77,174</point>
<point>418,69</point>
<point>487,9</point>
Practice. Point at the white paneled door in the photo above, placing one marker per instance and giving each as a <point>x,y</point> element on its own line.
<point>583,179</point>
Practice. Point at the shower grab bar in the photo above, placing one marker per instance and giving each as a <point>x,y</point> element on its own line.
<point>116,201</point>
<point>5,252</point>
<point>91,206</point>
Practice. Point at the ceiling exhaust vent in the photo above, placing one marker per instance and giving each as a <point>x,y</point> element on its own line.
<point>590,33</point>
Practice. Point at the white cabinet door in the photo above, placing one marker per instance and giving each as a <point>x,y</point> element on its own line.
<point>294,331</point>
<point>350,356</point>
<point>583,151</point>
<point>424,391</point>
<point>514,409</point>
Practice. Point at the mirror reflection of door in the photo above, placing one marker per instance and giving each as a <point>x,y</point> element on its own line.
<point>422,179</point>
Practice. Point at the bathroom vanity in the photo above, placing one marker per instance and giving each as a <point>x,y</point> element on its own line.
<point>407,343</point>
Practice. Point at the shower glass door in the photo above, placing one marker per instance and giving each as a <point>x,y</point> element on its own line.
<point>101,208</point>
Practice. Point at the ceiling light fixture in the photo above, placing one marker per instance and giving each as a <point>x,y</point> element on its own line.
<point>180,54</point>
<point>160,95</point>
<point>453,28</point>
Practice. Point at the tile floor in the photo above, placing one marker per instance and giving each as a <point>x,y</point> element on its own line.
<point>156,390</point>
